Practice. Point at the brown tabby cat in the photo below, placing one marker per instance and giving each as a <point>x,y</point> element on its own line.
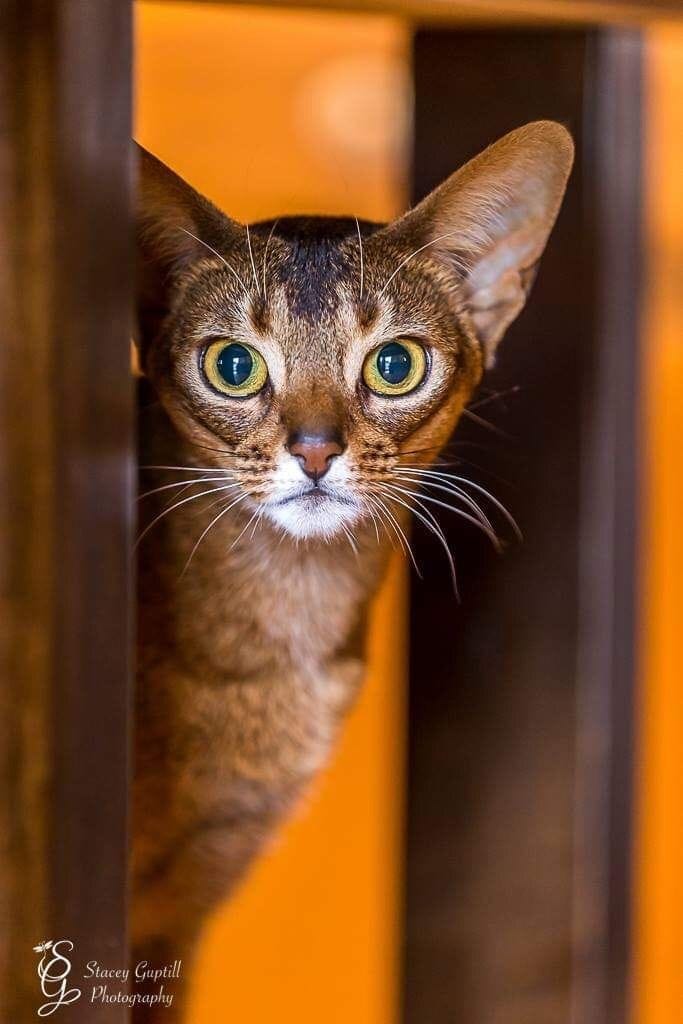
<point>306,372</point>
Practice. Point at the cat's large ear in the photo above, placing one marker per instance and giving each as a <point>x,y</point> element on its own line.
<point>175,226</point>
<point>490,222</point>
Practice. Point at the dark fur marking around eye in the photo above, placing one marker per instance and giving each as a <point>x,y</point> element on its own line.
<point>367,311</point>
<point>258,315</point>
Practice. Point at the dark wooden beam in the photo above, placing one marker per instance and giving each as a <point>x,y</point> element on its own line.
<point>521,707</point>
<point>66,417</point>
<point>454,12</point>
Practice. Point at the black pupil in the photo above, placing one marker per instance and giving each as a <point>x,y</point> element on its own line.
<point>235,364</point>
<point>394,362</point>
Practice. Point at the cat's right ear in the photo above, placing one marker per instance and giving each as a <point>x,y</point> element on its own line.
<point>175,226</point>
<point>488,224</point>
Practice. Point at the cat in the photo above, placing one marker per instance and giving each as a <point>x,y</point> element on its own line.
<point>304,374</point>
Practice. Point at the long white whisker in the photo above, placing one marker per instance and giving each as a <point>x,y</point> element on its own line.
<point>477,487</point>
<point>373,517</point>
<point>455,492</point>
<point>211,524</point>
<point>407,259</point>
<point>373,503</point>
<point>242,532</point>
<point>385,518</point>
<point>251,257</point>
<point>221,258</point>
<point>360,249</point>
<point>174,497</point>
<point>181,483</point>
<point>217,501</point>
<point>166,511</point>
<point>257,523</point>
<point>432,525</point>
<point>450,488</point>
<point>349,537</point>
<point>192,469</point>
<point>403,540</point>
<point>451,508</point>
<point>393,489</point>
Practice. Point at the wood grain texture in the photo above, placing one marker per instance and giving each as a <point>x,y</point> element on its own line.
<point>65,469</point>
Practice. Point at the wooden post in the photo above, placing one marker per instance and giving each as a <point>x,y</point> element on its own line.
<point>521,707</point>
<point>66,453</point>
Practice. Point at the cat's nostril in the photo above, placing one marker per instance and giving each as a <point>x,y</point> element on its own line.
<point>315,454</point>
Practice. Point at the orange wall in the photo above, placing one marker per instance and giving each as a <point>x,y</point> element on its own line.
<point>275,112</point>
<point>659,880</point>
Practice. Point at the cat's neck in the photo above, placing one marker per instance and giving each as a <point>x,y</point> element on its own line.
<point>245,597</point>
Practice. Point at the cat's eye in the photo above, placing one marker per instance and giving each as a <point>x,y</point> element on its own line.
<point>234,369</point>
<point>396,368</point>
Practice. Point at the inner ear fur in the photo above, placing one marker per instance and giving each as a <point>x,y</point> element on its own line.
<point>175,227</point>
<point>490,221</point>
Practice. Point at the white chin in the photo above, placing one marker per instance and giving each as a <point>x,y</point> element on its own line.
<point>307,517</point>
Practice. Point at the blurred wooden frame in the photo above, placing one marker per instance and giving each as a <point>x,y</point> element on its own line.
<point>66,463</point>
<point>449,12</point>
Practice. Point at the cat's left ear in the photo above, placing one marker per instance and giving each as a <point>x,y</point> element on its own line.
<point>490,221</point>
<point>175,228</point>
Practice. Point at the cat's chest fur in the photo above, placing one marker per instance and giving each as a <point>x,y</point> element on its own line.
<point>248,656</point>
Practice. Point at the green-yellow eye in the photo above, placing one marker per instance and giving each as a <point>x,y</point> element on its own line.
<point>234,369</point>
<point>396,368</point>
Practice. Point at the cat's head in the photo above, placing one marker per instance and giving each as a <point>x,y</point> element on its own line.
<point>312,356</point>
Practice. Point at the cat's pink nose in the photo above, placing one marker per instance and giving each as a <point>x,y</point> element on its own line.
<point>315,454</point>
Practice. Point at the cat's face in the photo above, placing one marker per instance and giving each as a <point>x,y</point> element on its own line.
<point>311,356</point>
<point>312,390</point>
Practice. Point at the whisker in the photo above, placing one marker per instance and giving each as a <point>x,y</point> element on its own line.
<point>427,512</point>
<point>257,523</point>
<point>494,397</point>
<point>398,529</point>
<point>373,517</point>
<point>181,483</point>
<point>428,520</point>
<point>456,492</point>
<point>448,477</point>
<point>381,510</point>
<point>251,257</point>
<point>488,530</point>
<point>174,497</point>
<point>485,423</point>
<point>221,258</point>
<point>349,537</point>
<point>177,504</point>
<point>360,249</point>
<point>373,504</point>
<point>191,469</point>
<point>208,448</point>
<point>217,501</point>
<point>204,533</point>
<point>456,462</point>
<point>242,532</point>
<point>404,472</point>
<point>446,449</point>
<point>407,259</point>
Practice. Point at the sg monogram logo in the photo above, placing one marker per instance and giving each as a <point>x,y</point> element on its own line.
<point>53,970</point>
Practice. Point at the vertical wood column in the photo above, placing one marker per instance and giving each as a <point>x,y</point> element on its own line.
<point>66,443</point>
<point>521,707</point>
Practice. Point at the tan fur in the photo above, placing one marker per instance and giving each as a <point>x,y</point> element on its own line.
<point>250,656</point>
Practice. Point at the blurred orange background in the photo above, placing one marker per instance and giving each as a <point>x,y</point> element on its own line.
<point>272,112</point>
<point>658,976</point>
